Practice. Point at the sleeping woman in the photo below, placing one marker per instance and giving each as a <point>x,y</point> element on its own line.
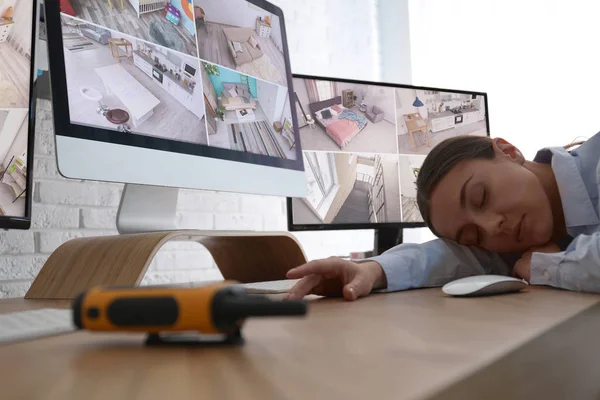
<point>494,212</point>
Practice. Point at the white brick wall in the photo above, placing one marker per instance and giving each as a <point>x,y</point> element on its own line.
<point>65,209</point>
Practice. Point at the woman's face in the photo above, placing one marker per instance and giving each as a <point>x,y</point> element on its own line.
<point>498,204</point>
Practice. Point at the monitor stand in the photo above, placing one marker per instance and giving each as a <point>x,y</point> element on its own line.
<point>147,209</point>
<point>146,221</point>
<point>386,238</point>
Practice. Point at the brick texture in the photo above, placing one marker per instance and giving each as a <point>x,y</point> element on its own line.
<point>98,218</point>
<point>66,209</point>
<point>19,242</point>
<point>53,216</point>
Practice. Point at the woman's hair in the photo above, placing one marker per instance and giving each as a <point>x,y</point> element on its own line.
<point>445,156</point>
<point>441,159</point>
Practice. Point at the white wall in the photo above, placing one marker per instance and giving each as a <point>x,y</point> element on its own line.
<point>231,12</point>
<point>536,59</point>
<point>394,44</point>
<point>10,129</point>
<point>271,99</point>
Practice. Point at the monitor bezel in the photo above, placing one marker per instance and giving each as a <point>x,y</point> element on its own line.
<point>369,225</point>
<point>64,127</point>
<point>24,222</point>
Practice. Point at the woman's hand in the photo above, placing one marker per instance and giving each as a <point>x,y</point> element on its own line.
<point>522,267</point>
<point>336,277</point>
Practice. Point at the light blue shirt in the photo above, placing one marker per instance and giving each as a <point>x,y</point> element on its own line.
<point>576,268</point>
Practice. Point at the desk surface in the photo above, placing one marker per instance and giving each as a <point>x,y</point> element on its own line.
<point>411,344</point>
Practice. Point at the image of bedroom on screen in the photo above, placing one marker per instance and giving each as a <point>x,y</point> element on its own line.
<point>409,169</point>
<point>247,114</point>
<point>335,116</point>
<point>346,188</point>
<point>118,82</point>
<point>15,52</point>
<point>170,24</point>
<point>13,161</point>
<point>426,117</point>
<point>241,36</point>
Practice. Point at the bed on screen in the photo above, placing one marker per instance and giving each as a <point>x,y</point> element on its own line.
<point>340,123</point>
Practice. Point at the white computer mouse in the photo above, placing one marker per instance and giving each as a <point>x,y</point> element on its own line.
<point>484,285</point>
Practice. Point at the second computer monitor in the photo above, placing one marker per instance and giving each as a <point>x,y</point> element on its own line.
<point>18,20</point>
<point>363,144</point>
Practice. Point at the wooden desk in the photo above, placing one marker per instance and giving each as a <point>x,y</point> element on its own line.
<point>412,344</point>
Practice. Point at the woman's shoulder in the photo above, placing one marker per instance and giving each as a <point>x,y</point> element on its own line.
<point>589,149</point>
<point>588,154</point>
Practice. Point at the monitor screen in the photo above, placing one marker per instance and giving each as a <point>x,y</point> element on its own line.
<point>363,144</point>
<point>184,76</point>
<point>16,140</point>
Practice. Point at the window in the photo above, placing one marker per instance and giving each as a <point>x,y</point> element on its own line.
<point>315,195</point>
<point>325,90</point>
<point>320,171</point>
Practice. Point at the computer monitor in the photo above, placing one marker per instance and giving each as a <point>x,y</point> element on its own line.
<point>181,94</point>
<point>17,111</point>
<point>363,144</point>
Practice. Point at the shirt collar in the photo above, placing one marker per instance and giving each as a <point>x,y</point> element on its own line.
<point>577,205</point>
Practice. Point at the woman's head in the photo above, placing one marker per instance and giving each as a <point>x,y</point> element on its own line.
<point>482,192</point>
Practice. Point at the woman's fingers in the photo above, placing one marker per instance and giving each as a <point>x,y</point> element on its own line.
<point>326,276</point>
<point>328,267</point>
<point>303,287</point>
<point>359,286</point>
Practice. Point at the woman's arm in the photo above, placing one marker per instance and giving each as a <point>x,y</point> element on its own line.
<point>577,268</point>
<point>436,263</point>
<point>405,266</point>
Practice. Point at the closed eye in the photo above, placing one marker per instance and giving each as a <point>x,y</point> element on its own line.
<point>483,198</point>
